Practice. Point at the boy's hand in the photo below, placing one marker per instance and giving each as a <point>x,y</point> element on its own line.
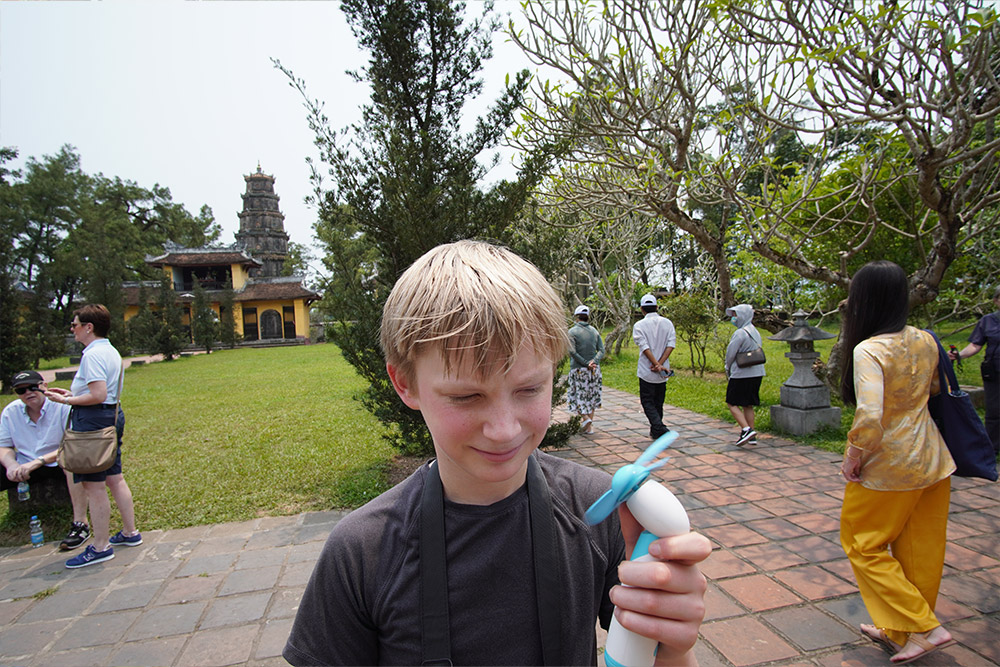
<point>663,599</point>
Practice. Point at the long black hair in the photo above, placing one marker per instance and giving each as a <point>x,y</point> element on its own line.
<point>877,303</point>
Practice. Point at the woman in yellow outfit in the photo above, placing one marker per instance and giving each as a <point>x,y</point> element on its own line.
<point>893,524</point>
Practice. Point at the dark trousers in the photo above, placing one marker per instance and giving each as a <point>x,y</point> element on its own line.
<point>991,393</point>
<point>651,396</point>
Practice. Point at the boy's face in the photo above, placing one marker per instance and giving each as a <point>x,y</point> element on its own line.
<point>484,428</point>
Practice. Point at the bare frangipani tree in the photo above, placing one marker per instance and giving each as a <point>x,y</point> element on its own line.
<point>628,83</point>
<point>903,93</point>
<point>684,106</point>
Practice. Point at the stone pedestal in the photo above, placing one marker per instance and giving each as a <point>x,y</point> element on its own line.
<point>801,422</point>
<point>805,400</point>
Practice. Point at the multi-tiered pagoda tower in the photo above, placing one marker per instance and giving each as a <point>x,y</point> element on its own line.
<point>262,225</point>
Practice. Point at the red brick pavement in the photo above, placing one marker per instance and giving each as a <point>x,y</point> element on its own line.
<point>781,591</point>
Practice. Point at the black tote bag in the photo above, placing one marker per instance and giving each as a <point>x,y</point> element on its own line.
<point>960,425</point>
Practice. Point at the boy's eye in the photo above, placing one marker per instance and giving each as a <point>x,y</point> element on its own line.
<point>464,398</point>
<point>531,391</point>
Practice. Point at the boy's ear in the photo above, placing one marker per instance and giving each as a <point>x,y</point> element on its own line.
<point>403,387</point>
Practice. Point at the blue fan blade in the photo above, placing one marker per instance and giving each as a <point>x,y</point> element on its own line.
<point>602,508</point>
<point>658,446</point>
<point>657,464</point>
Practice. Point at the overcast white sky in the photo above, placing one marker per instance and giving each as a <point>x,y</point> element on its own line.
<point>184,93</point>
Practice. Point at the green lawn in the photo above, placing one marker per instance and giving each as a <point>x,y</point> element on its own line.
<point>240,434</point>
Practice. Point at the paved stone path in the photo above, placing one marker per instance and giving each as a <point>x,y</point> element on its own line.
<point>780,592</point>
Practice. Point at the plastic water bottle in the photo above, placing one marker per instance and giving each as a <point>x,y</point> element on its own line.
<point>22,491</point>
<point>37,537</point>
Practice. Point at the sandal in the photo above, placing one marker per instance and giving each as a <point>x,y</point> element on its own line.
<point>878,636</point>
<point>927,645</point>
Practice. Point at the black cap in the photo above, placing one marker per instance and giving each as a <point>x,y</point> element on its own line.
<point>27,377</point>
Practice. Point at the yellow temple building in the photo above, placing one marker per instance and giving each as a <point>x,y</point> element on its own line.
<point>268,307</point>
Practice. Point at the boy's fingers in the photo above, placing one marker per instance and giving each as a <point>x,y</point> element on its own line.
<point>689,548</point>
<point>657,576</point>
<point>631,529</point>
<point>672,619</point>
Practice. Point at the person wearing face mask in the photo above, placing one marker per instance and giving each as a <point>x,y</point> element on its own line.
<point>743,389</point>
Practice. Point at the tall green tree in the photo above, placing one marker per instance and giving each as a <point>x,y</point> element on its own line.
<point>204,322</point>
<point>168,337</point>
<point>15,336</point>
<point>228,335</point>
<point>79,236</point>
<point>406,178</point>
<point>144,327</point>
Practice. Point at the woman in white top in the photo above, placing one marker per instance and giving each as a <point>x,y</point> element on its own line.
<point>94,397</point>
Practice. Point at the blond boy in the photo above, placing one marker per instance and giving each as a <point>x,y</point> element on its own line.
<point>471,335</point>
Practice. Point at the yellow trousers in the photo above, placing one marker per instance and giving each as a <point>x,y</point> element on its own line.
<point>895,541</point>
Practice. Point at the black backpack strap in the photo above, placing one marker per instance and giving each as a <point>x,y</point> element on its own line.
<point>547,564</point>
<point>435,631</point>
<point>435,635</point>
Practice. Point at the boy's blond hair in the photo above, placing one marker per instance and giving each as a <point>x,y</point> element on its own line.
<point>472,297</point>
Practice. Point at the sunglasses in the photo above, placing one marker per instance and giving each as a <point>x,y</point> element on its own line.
<point>21,390</point>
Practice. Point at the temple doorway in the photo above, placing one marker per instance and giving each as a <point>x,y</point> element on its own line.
<point>270,324</point>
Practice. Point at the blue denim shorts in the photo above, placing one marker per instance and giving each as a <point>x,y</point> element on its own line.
<point>93,418</point>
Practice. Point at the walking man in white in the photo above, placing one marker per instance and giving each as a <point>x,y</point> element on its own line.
<point>656,339</point>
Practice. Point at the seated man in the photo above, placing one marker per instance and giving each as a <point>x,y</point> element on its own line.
<point>30,432</point>
<point>483,557</point>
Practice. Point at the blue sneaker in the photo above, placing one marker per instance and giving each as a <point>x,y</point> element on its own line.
<point>90,556</point>
<point>119,540</point>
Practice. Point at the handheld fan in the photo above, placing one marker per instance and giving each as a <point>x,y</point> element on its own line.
<point>661,515</point>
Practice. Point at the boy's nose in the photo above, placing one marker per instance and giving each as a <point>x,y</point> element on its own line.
<point>501,424</point>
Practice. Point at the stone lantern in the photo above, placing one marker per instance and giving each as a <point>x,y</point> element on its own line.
<point>805,400</point>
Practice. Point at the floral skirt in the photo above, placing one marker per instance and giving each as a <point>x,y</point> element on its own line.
<point>584,393</point>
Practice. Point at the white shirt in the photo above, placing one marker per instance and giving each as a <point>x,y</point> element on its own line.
<point>656,334</point>
<point>100,362</point>
<point>29,439</point>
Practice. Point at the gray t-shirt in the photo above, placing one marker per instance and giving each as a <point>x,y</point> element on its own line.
<point>362,603</point>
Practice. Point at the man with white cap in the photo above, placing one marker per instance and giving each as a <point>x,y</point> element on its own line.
<point>30,432</point>
<point>656,339</point>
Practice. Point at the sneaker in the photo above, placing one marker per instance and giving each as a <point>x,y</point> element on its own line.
<point>119,539</point>
<point>90,556</point>
<point>78,534</point>
<point>746,435</point>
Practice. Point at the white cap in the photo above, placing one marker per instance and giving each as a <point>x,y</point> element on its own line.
<point>647,300</point>
<point>581,310</point>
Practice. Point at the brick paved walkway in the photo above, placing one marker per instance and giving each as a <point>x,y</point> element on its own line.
<point>780,591</point>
